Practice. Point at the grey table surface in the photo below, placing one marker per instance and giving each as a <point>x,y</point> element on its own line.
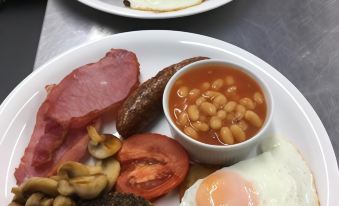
<point>300,38</point>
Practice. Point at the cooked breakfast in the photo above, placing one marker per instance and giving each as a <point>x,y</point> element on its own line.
<point>69,160</point>
<point>217,105</point>
<point>144,105</point>
<point>161,5</point>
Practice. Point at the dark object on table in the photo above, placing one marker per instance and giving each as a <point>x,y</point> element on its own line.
<point>116,199</point>
<point>127,3</point>
<point>144,105</point>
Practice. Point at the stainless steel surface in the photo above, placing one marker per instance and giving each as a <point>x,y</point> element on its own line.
<point>298,38</point>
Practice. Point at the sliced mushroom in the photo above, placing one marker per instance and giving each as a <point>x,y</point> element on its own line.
<point>34,199</point>
<point>63,201</point>
<point>93,170</point>
<point>47,202</point>
<point>18,196</point>
<point>89,187</point>
<point>102,146</point>
<point>65,188</point>
<point>72,169</point>
<point>56,178</point>
<point>40,184</point>
<point>111,168</point>
<point>15,204</point>
<point>94,135</point>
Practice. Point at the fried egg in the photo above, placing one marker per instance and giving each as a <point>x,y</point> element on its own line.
<point>277,177</point>
<point>161,5</point>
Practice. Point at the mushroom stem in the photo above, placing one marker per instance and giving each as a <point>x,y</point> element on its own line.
<point>96,138</point>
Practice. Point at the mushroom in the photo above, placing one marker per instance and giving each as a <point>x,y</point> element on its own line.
<point>89,187</point>
<point>47,202</point>
<point>94,135</point>
<point>72,169</point>
<point>15,204</point>
<point>93,170</point>
<point>56,178</point>
<point>64,188</point>
<point>40,184</point>
<point>34,199</point>
<point>63,201</point>
<point>102,146</point>
<point>111,168</point>
<point>18,196</point>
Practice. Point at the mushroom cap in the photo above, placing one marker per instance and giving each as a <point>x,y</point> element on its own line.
<point>34,199</point>
<point>18,196</point>
<point>73,169</point>
<point>40,184</point>
<point>111,168</point>
<point>15,204</point>
<point>65,188</point>
<point>106,148</point>
<point>63,201</point>
<point>47,202</point>
<point>89,187</point>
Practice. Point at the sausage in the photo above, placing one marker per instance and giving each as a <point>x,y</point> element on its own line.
<point>144,105</point>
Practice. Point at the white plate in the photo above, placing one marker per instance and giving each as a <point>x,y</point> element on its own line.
<point>117,7</point>
<point>294,117</point>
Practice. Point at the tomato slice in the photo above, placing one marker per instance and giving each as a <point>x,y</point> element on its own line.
<point>151,165</point>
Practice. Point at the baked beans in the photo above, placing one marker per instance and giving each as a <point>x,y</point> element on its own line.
<point>217,105</point>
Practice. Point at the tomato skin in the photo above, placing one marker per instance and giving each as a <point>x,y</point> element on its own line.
<point>152,165</point>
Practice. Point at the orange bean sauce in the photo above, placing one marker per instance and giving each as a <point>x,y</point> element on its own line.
<point>236,86</point>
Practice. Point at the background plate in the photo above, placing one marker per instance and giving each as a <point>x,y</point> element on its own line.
<point>294,117</point>
<point>117,7</point>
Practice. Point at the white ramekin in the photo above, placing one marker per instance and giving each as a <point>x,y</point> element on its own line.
<point>220,154</point>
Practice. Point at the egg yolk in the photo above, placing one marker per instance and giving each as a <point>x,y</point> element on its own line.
<point>226,188</point>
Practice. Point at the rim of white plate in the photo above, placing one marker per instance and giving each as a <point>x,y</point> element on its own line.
<point>205,6</point>
<point>332,172</point>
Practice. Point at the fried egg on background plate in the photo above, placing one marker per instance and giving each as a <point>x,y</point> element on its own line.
<point>277,177</point>
<point>161,5</point>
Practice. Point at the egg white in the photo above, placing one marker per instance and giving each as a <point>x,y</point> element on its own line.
<point>161,5</point>
<point>280,177</point>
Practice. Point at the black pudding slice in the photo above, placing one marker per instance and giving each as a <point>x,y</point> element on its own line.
<point>116,199</point>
